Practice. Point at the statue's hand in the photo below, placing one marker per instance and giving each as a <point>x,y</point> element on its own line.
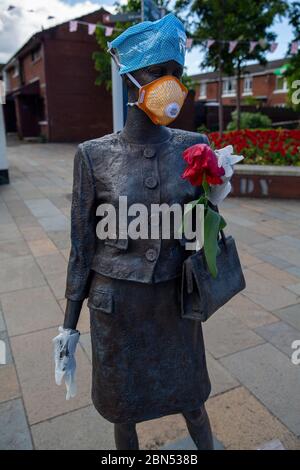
<point>65,364</point>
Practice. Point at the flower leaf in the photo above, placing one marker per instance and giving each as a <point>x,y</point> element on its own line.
<point>213,222</point>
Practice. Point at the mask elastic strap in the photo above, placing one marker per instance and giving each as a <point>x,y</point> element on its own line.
<point>118,64</point>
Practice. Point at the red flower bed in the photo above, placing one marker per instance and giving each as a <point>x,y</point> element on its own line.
<point>262,147</point>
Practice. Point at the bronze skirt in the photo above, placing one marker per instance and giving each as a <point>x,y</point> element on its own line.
<point>148,362</point>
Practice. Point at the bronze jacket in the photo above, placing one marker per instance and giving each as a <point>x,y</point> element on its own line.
<point>107,168</point>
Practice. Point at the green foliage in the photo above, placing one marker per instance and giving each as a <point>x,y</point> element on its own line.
<point>250,121</point>
<point>251,101</point>
<point>226,20</point>
<point>102,59</point>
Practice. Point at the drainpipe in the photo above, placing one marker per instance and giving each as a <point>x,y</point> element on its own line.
<point>4,177</point>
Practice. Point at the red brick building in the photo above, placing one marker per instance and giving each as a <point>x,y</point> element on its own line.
<point>259,82</point>
<point>51,89</point>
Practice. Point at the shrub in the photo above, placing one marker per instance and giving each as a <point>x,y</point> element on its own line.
<point>250,121</point>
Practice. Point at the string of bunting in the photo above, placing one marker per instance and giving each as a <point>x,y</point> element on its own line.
<point>233,44</point>
<point>73,26</point>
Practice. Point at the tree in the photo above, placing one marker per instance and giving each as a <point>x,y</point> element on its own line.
<point>257,18</point>
<point>292,73</point>
<point>226,20</point>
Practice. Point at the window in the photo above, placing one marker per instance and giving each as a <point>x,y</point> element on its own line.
<point>281,85</point>
<point>229,87</point>
<point>202,90</point>
<point>248,86</point>
<point>15,71</point>
<point>35,54</point>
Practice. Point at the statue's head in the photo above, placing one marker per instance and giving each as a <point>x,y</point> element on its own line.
<point>150,57</point>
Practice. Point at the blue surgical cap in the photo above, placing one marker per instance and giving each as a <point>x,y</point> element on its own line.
<point>149,43</point>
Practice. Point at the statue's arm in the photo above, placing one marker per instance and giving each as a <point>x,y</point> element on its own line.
<point>83,238</point>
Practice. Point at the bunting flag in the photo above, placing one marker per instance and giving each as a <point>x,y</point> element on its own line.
<point>210,42</point>
<point>189,43</point>
<point>262,43</point>
<point>274,46</point>
<point>253,45</point>
<point>294,47</point>
<point>232,46</point>
<point>73,26</point>
<point>108,31</point>
<point>91,28</point>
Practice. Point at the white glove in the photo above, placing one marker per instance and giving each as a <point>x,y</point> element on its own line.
<point>226,160</point>
<point>65,364</point>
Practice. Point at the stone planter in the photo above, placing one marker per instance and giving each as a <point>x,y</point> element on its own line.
<point>266,181</point>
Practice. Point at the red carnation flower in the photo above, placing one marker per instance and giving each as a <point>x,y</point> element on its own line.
<point>202,160</point>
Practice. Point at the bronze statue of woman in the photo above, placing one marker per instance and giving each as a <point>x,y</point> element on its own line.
<point>147,361</point>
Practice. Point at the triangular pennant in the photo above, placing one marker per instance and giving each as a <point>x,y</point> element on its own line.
<point>189,43</point>
<point>273,47</point>
<point>253,45</point>
<point>108,31</point>
<point>210,42</point>
<point>73,26</point>
<point>294,47</point>
<point>91,28</point>
<point>232,46</point>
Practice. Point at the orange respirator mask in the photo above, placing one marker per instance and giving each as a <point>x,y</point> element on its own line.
<point>161,99</point>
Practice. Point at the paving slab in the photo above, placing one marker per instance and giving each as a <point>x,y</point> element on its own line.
<point>9,232</point>
<point>42,247</point>
<point>295,270</point>
<point>262,292</point>
<point>290,315</point>
<point>55,223</point>
<point>221,379</point>
<point>42,208</point>
<point>294,288</point>
<point>241,422</point>
<point>33,232</point>
<point>83,429</point>
<point>224,334</point>
<point>274,260</point>
<point>85,341</point>
<point>30,310</point>
<point>19,273</point>
<point>188,444</point>
<point>251,314</point>
<point>13,249</point>
<point>279,276</point>
<point>2,323</point>
<point>9,386</point>
<point>53,263</point>
<point>43,399</point>
<point>14,431</point>
<point>281,335</point>
<point>282,250</point>
<point>272,378</point>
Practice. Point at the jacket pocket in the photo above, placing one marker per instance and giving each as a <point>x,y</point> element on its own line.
<point>120,243</point>
<point>101,299</point>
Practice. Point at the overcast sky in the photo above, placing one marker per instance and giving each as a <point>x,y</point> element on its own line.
<point>18,25</point>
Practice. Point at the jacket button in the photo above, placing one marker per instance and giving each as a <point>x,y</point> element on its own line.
<point>151,254</point>
<point>149,153</point>
<point>151,182</point>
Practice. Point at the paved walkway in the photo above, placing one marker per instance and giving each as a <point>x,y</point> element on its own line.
<point>255,396</point>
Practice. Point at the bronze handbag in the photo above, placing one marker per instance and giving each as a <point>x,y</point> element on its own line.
<point>201,294</point>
